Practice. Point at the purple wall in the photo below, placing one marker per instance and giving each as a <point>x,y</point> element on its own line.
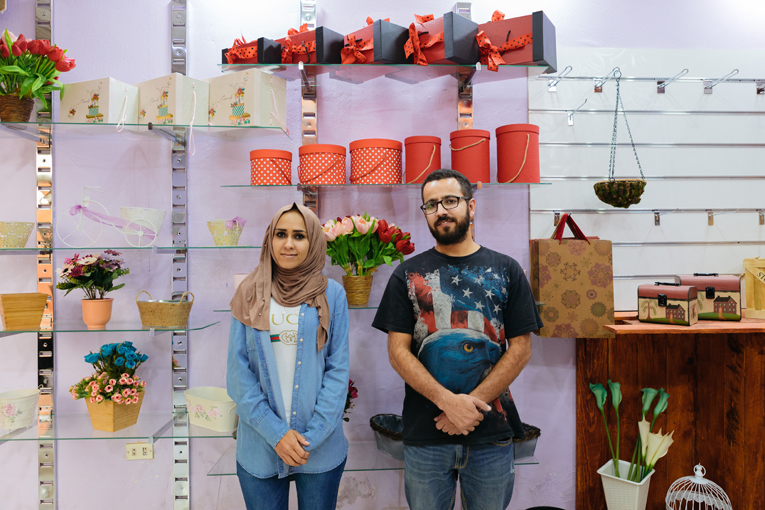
<point>130,41</point>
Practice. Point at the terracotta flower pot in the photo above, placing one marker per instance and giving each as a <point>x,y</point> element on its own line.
<point>111,417</point>
<point>13,109</point>
<point>97,312</point>
<point>357,289</point>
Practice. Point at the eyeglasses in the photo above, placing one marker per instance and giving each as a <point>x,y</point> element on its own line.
<point>450,202</point>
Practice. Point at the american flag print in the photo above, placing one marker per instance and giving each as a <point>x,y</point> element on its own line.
<point>459,334</point>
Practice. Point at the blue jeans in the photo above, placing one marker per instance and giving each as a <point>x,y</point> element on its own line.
<point>486,473</point>
<point>315,491</point>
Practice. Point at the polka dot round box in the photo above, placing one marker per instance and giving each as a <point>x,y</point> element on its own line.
<point>321,163</point>
<point>376,161</point>
<point>270,167</point>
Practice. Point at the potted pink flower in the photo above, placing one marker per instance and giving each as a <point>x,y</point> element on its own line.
<point>95,275</point>
<point>360,244</point>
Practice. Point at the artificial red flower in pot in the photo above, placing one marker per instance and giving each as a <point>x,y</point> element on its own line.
<point>29,68</point>
<point>360,244</point>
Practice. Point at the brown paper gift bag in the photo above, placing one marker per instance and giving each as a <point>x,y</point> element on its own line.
<point>574,278</point>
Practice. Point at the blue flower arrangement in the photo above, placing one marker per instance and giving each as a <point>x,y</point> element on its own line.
<point>114,378</point>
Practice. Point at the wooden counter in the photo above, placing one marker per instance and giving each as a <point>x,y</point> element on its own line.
<point>715,375</point>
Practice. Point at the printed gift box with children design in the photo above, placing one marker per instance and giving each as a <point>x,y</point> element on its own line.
<point>103,101</point>
<point>174,99</point>
<point>248,98</point>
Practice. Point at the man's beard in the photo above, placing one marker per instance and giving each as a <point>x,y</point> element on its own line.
<point>456,234</point>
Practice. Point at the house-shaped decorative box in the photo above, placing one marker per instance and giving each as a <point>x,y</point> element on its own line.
<point>668,303</point>
<point>719,296</point>
<point>101,101</point>
<point>248,98</point>
<point>174,99</point>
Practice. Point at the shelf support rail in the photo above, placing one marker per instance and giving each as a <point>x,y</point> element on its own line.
<point>179,271</point>
<point>46,451</point>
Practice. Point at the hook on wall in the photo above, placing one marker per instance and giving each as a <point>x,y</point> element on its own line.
<point>709,84</point>
<point>552,81</point>
<point>599,82</point>
<point>570,113</point>
<point>661,85</point>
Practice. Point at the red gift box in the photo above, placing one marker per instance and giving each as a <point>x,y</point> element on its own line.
<point>526,40</point>
<point>320,46</point>
<point>447,40</point>
<point>262,51</point>
<point>380,42</point>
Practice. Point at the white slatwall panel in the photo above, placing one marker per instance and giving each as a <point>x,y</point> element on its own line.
<point>710,139</point>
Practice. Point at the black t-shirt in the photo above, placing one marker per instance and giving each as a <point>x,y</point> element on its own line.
<point>459,311</point>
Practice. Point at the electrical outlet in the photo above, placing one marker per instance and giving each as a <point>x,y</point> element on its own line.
<point>139,451</point>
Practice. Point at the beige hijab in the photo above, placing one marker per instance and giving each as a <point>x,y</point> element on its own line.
<point>288,287</point>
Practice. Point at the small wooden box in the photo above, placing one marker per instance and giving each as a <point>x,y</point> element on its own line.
<point>754,270</point>
<point>668,303</point>
<point>22,311</point>
<point>719,297</point>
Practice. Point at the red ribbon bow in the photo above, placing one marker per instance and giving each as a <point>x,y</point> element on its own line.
<point>491,56</point>
<point>241,49</point>
<point>352,52</point>
<point>370,21</point>
<point>289,48</point>
<point>413,44</point>
<point>292,31</point>
<point>497,16</point>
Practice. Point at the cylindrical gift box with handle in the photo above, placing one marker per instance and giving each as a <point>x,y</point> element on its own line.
<point>376,161</point>
<point>471,153</point>
<point>423,156</point>
<point>270,167</point>
<point>321,163</point>
<point>518,153</point>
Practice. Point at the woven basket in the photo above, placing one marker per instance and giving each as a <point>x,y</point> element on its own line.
<point>388,434</point>
<point>156,217</point>
<point>620,192</point>
<point>224,236</point>
<point>13,109</point>
<point>15,234</point>
<point>164,313</point>
<point>357,289</point>
<point>18,408</point>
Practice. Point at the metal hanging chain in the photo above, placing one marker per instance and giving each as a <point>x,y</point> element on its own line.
<point>619,103</point>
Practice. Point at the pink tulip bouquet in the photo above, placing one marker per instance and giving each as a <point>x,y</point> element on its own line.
<point>30,68</point>
<point>360,244</point>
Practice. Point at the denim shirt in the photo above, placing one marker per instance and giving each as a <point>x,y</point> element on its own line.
<point>318,397</point>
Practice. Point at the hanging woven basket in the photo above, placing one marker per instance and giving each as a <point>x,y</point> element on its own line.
<point>620,192</point>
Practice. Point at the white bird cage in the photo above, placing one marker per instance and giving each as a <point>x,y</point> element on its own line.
<point>696,493</point>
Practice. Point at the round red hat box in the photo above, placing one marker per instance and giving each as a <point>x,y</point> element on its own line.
<point>518,153</point>
<point>321,163</point>
<point>269,167</point>
<point>471,154</point>
<point>376,161</point>
<point>423,156</point>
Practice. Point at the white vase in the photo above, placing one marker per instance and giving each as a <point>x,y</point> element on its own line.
<point>621,494</point>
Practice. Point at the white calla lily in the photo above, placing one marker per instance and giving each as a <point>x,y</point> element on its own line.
<point>644,428</point>
<point>658,445</point>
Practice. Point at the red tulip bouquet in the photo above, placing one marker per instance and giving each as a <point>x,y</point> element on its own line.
<point>360,244</point>
<point>29,68</point>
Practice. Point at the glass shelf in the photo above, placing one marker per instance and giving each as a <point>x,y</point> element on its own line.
<point>362,456</point>
<point>369,307</point>
<point>77,326</point>
<point>156,249</point>
<point>327,187</point>
<point>77,427</point>
<point>407,73</point>
<point>29,130</point>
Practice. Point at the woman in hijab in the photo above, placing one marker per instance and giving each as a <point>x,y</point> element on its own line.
<point>288,369</point>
